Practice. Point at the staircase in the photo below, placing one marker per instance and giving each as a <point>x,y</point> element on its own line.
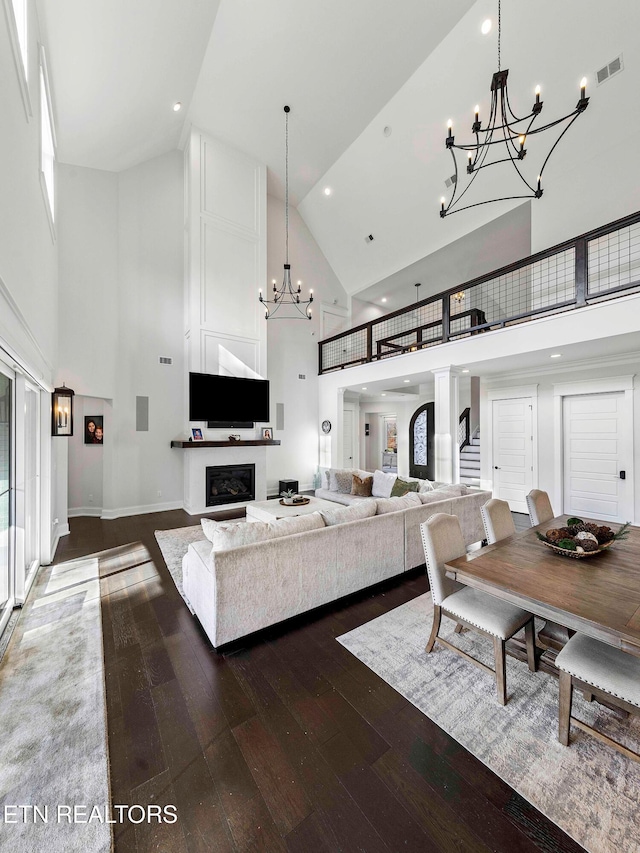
<point>470,462</point>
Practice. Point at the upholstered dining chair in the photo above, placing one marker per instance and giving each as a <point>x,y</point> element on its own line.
<point>497,520</point>
<point>539,507</point>
<point>476,610</point>
<point>609,673</point>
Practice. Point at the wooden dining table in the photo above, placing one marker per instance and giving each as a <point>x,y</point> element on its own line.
<point>598,596</point>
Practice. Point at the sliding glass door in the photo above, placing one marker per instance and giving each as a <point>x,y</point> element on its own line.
<point>31,481</point>
<point>6,494</point>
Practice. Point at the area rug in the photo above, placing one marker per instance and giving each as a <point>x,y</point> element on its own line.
<point>590,790</point>
<point>173,546</point>
<point>53,749</point>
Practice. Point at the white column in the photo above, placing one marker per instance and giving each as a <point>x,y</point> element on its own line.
<point>447,414</point>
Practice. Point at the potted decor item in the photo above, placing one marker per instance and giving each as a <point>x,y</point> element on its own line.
<point>287,497</point>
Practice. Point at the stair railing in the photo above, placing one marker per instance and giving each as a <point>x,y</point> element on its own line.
<point>464,429</point>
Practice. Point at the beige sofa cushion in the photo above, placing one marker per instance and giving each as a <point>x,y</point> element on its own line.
<point>227,535</point>
<point>343,514</point>
<point>385,505</point>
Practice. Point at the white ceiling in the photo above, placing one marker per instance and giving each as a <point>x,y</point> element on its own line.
<point>116,69</point>
<point>118,66</point>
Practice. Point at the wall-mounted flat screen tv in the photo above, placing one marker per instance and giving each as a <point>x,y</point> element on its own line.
<point>227,399</point>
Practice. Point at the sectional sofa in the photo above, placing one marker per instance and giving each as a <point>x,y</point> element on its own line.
<point>296,564</point>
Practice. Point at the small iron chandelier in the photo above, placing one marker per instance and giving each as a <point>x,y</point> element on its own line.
<point>503,128</point>
<point>286,294</point>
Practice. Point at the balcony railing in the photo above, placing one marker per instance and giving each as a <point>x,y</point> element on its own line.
<point>599,265</point>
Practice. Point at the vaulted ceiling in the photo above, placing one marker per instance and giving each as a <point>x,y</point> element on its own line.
<point>119,66</point>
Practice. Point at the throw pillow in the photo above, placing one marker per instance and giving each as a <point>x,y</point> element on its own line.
<point>343,514</point>
<point>234,535</point>
<point>208,526</point>
<point>402,487</point>
<point>409,501</point>
<point>361,486</point>
<point>343,479</point>
<point>382,484</point>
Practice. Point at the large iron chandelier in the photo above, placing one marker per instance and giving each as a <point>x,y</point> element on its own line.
<point>286,294</point>
<point>504,128</point>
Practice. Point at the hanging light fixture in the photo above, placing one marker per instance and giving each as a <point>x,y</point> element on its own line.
<point>503,139</point>
<point>286,294</point>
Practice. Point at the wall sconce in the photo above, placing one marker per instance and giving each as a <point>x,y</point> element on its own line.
<point>62,411</point>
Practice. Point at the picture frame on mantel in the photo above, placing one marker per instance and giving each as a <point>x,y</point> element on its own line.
<point>196,434</point>
<point>267,433</point>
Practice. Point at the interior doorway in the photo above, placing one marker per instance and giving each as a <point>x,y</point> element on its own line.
<point>421,443</point>
<point>512,451</point>
<point>597,451</point>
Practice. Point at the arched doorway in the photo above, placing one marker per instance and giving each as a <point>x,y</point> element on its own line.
<point>421,444</point>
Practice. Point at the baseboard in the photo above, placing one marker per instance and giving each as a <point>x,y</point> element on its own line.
<point>58,531</point>
<point>90,511</point>
<point>110,514</point>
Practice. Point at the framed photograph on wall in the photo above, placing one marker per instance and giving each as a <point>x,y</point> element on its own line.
<point>196,434</point>
<point>93,429</point>
<point>267,433</point>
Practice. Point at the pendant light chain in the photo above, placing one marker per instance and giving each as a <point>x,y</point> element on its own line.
<point>499,31</point>
<point>286,186</point>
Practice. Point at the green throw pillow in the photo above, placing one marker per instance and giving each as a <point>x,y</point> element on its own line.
<point>402,487</point>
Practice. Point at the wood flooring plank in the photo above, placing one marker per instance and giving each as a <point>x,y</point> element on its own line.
<point>441,822</point>
<point>204,709</point>
<point>155,834</point>
<point>385,813</point>
<point>247,815</point>
<point>313,834</point>
<point>143,744</point>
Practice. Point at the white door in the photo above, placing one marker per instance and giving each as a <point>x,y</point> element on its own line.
<point>347,438</point>
<point>513,451</point>
<point>597,448</point>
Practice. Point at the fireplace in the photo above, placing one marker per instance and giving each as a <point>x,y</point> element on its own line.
<point>227,484</point>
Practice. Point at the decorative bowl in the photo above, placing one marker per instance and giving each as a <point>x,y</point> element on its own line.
<point>577,555</point>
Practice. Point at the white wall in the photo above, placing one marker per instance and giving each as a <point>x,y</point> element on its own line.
<point>293,349</point>
<point>86,461</point>
<point>121,281</point>
<point>88,270</point>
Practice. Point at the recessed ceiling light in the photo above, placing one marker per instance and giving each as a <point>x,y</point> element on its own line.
<point>466,370</point>
<point>364,389</point>
<point>383,394</point>
<point>328,190</point>
<point>387,131</point>
<point>556,355</point>
<point>486,26</point>
<point>384,299</point>
<point>407,380</point>
<point>177,107</point>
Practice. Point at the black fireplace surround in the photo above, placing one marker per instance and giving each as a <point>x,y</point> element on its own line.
<point>227,484</point>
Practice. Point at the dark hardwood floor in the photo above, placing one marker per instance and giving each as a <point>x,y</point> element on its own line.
<point>284,743</point>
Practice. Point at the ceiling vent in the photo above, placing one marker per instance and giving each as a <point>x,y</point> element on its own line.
<point>302,376</point>
<point>450,181</point>
<point>614,67</point>
<point>165,360</point>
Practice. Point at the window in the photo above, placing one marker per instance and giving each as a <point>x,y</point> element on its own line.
<point>47,142</point>
<point>20,16</point>
<point>17,14</point>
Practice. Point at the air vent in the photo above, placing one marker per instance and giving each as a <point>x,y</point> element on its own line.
<point>614,67</point>
<point>302,376</point>
<point>450,181</point>
<point>165,360</point>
